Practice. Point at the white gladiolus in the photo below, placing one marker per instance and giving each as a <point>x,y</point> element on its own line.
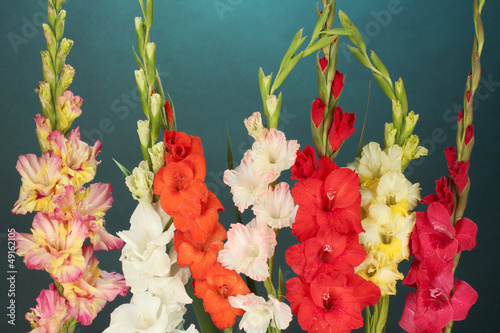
<point>157,154</point>
<point>276,207</point>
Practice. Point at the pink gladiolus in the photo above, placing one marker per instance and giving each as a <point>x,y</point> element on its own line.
<point>50,313</point>
<point>54,246</point>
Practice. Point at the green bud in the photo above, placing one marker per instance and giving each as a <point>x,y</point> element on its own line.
<point>271,104</point>
<point>156,107</point>
<point>48,67</point>
<point>323,88</point>
<point>408,127</point>
<point>274,107</point>
<point>151,63</point>
<point>62,53</point>
<point>142,86</point>
<point>265,85</point>
<point>389,135</point>
<point>385,85</point>
<point>58,5</point>
<point>401,95</point>
<point>45,96</point>
<point>149,13</point>
<point>51,14</point>
<point>51,40</point>
<point>397,115</point>
<point>140,34</point>
<point>144,133</point>
<point>59,26</point>
<point>65,79</point>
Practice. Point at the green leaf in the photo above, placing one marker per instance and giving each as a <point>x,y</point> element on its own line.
<point>339,32</point>
<point>122,168</point>
<point>294,45</point>
<point>386,87</point>
<point>321,22</point>
<point>281,291</point>
<point>284,73</point>
<point>230,159</point>
<point>318,46</point>
<point>362,139</point>
<point>380,66</point>
<point>363,59</point>
<point>356,37</point>
<point>138,60</point>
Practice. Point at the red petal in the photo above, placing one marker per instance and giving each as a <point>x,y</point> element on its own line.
<point>466,234</point>
<point>462,300</point>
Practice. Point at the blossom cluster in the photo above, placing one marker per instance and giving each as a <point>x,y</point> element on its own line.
<point>387,198</point>
<point>327,294</point>
<point>67,213</point>
<point>199,236</point>
<point>436,241</point>
<point>250,246</point>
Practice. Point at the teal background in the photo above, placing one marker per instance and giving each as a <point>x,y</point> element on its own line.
<point>208,54</point>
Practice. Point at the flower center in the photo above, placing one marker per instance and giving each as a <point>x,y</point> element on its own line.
<point>328,302</point>
<point>223,290</point>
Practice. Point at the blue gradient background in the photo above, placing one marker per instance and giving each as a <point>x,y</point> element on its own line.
<point>208,61</point>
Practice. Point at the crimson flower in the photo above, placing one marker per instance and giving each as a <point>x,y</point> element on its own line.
<point>317,110</point>
<point>337,84</point>
<point>443,195</point>
<point>459,170</point>
<point>341,129</point>
<point>323,63</point>
<point>180,145</point>
<point>305,164</point>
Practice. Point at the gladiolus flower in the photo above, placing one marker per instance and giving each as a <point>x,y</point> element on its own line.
<point>50,313</point>
<point>305,164</point>
<point>337,84</point>
<point>317,111</point>
<point>248,248</point>
<point>254,125</point>
<point>215,290</point>
<point>179,145</point>
<point>68,108</point>
<point>275,207</point>
<point>341,129</point>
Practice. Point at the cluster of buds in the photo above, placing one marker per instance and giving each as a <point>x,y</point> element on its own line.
<point>57,76</point>
<point>158,110</point>
<point>330,126</point>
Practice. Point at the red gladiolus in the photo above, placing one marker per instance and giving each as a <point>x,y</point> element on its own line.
<point>326,252</point>
<point>341,129</point>
<point>337,84</point>
<point>332,302</point>
<point>317,110</point>
<point>179,145</point>
<point>220,284</point>
<point>323,63</point>
<point>469,134</point>
<point>169,113</point>
<point>459,171</point>
<point>305,164</point>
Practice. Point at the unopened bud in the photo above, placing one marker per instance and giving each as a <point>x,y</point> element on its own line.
<point>59,26</point>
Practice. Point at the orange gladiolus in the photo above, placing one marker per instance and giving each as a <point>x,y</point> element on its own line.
<point>220,283</point>
<point>199,256</point>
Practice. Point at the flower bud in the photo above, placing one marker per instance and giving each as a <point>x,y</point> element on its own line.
<point>42,131</point>
<point>142,86</point>
<point>408,127</point>
<point>51,39</point>
<point>48,68</point>
<point>271,103</point>
<point>62,53</point>
<point>68,109</point>
<point>411,150</point>
<point>59,26</point>
<point>51,14</point>
<point>151,63</point>
<point>157,154</point>
<point>149,13</point>
<point>254,125</point>
<point>140,34</point>
<point>389,135</point>
<point>45,96</point>
<point>65,79</point>
<point>155,116</point>
<point>401,95</point>
<point>144,132</point>
<point>397,115</point>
